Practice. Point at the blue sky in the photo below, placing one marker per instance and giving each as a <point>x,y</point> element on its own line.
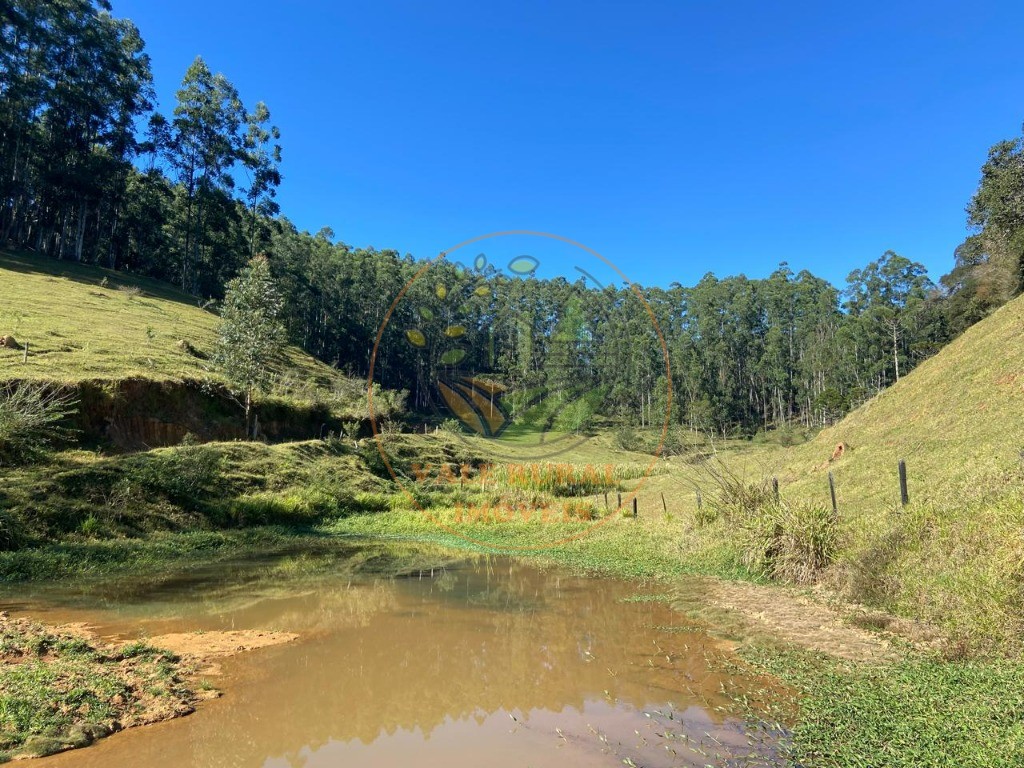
<point>675,138</point>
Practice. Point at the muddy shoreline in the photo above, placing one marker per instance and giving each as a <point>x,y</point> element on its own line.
<point>86,687</point>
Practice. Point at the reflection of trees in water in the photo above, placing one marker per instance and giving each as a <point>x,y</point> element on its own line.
<point>500,637</point>
<point>379,656</point>
<point>183,598</point>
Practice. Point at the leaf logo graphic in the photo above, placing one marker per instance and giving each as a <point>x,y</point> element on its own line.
<point>476,403</point>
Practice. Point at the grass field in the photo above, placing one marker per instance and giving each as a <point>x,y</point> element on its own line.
<point>84,322</point>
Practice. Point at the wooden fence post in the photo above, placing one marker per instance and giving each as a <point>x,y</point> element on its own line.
<point>620,501</point>
<point>832,493</point>
<point>634,507</point>
<point>700,501</point>
<point>775,489</point>
<point>904,495</point>
<point>24,358</point>
<point>664,506</point>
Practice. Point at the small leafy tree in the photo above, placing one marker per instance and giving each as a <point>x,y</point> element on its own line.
<point>250,332</point>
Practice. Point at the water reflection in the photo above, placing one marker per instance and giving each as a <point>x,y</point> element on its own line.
<point>477,662</point>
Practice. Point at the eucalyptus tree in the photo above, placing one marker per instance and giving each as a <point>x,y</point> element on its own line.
<point>204,147</point>
<point>74,81</point>
<point>884,300</point>
<point>250,333</point>
<point>261,157</point>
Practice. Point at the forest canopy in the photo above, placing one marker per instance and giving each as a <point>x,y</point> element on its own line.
<point>91,171</point>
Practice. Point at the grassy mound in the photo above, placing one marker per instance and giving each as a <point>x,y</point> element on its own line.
<point>85,323</point>
<point>59,690</point>
<point>136,354</point>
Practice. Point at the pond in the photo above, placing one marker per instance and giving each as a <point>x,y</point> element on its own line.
<point>413,656</point>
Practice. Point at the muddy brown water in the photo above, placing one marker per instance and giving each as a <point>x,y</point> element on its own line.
<point>414,659</point>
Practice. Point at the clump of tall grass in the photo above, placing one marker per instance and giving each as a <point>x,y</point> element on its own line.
<point>790,542</point>
<point>730,495</point>
<point>781,541</point>
<point>32,420</point>
<point>520,497</point>
<point>579,509</point>
<point>183,474</point>
<point>977,595</point>
<point>562,479</point>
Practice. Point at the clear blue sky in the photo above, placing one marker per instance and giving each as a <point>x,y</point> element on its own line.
<point>675,138</point>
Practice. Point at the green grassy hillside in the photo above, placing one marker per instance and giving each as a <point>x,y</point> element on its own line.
<point>957,420</point>
<point>138,351</point>
<point>83,322</point>
<point>954,557</point>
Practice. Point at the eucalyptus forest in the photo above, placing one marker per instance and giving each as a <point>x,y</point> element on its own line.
<point>92,172</point>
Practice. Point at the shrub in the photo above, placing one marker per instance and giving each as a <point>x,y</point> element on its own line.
<point>451,426</point>
<point>577,416</point>
<point>11,533</point>
<point>732,495</point>
<point>31,420</point>
<point>182,474</point>
<point>627,439</point>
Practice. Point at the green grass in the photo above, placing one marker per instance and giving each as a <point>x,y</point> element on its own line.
<point>59,691</point>
<point>157,552</point>
<point>84,322</point>
<point>920,712</point>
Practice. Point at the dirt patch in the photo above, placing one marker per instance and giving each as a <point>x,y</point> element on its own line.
<point>203,647</point>
<point>804,619</point>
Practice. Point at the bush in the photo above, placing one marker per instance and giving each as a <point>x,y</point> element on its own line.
<point>31,417</point>
<point>182,474</point>
<point>11,534</point>
<point>452,426</point>
<point>576,417</point>
<point>627,439</point>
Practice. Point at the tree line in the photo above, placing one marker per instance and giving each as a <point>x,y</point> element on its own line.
<point>90,171</point>
<point>742,354</point>
<point>80,181</point>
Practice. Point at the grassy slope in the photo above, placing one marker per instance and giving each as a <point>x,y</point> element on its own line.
<point>957,419</point>
<point>955,556</point>
<point>84,322</point>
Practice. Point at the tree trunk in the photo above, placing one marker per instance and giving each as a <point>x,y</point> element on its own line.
<point>80,231</point>
<point>895,350</point>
